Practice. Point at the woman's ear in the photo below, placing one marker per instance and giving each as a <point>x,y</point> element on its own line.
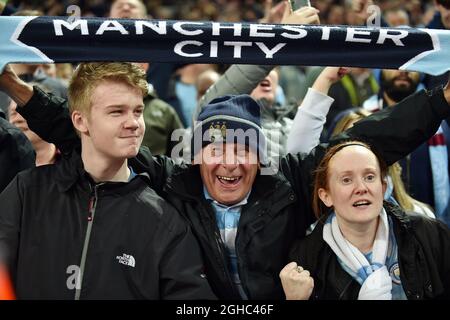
<point>79,121</point>
<point>325,197</point>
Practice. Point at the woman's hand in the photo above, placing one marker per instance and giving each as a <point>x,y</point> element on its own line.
<point>297,283</point>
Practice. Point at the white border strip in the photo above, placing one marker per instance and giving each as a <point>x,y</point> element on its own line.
<point>436,46</point>
<point>15,39</point>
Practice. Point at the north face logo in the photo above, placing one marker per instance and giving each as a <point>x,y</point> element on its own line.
<point>127,260</point>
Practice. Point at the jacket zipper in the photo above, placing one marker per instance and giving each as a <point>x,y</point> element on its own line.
<point>244,276</point>
<point>91,214</point>
<point>220,245</point>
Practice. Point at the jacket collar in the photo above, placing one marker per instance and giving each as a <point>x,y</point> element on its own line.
<point>399,216</point>
<point>70,171</point>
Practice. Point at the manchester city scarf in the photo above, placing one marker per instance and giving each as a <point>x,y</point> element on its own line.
<point>63,39</point>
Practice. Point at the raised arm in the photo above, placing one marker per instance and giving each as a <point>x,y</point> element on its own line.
<point>311,116</point>
<point>46,114</point>
<point>397,131</point>
<point>393,132</point>
<point>18,90</point>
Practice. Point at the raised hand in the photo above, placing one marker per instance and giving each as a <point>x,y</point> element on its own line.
<point>328,77</point>
<point>304,15</point>
<point>297,283</point>
<point>273,14</point>
<point>360,8</point>
<point>13,86</point>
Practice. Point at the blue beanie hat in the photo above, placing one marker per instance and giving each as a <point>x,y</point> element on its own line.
<point>232,118</point>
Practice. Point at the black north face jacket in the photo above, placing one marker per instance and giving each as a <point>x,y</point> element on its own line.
<point>68,238</point>
<point>279,207</point>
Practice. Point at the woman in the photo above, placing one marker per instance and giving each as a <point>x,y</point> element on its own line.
<point>396,191</point>
<point>318,103</point>
<point>363,248</point>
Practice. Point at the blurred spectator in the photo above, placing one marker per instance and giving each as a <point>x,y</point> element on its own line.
<point>205,80</point>
<point>64,71</point>
<point>428,16</point>
<point>128,9</point>
<point>351,91</point>
<point>187,92</point>
<point>46,153</point>
<point>49,69</point>
<point>441,19</point>
<point>336,15</point>
<point>425,171</point>
<point>16,152</point>
<point>397,17</point>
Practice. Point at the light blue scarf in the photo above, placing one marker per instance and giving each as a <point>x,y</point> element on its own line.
<point>376,284</point>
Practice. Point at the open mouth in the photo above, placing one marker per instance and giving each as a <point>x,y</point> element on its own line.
<point>266,85</point>
<point>362,203</point>
<point>229,181</point>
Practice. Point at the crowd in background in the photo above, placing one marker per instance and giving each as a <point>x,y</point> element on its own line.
<point>418,13</point>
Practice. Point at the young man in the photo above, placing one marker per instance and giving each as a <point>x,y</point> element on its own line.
<point>89,227</point>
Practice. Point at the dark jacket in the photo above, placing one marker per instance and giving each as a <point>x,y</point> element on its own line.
<point>416,167</point>
<point>134,244</point>
<point>436,23</point>
<point>16,152</point>
<point>423,256</point>
<point>279,208</point>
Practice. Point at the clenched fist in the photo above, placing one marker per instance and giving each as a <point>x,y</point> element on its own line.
<point>297,283</point>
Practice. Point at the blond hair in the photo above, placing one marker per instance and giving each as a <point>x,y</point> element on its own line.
<point>349,119</point>
<point>88,76</point>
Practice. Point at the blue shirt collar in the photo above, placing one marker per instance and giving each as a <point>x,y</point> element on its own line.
<point>132,174</point>
<point>239,204</point>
